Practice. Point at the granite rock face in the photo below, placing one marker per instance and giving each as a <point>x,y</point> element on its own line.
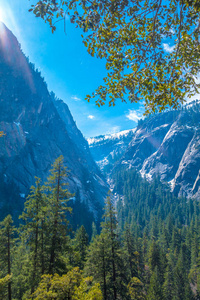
<point>107,149</point>
<point>187,178</point>
<point>168,145</point>
<point>39,128</point>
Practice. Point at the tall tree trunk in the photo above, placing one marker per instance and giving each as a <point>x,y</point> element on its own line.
<point>53,243</point>
<point>113,255</point>
<point>52,253</point>
<point>9,267</point>
<point>104,275</point>
<point>35,260</point>
<point>42,248</point>
<point>114,273</point>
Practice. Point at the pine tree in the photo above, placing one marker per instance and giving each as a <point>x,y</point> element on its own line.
<point>94,230</point>
<point>33,232</point>
<point>117,271</point>
<point>98,262</point>
<point>110,225</point>
<point>194,249</point>
<point>22,271</point>
<point>129,252</point>
<point>80,246</point>
<point>7,233</point>
<point>155,288</point>
<point>182,289</point>
<point>57,196</point>
<point>104,259</point>
<point>197,277</point>
<point>4,283</point>
<point>136,289</point>
<point>176,239</point>
<point>154,256</point>
<point>168,286</point>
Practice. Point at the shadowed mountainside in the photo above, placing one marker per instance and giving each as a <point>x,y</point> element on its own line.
<point>39,128</point>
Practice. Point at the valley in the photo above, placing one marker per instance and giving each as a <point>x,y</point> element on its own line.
<point>63,234</point>
<point>165,145</point>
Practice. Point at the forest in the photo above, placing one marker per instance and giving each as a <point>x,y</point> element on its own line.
<point>147,247</point>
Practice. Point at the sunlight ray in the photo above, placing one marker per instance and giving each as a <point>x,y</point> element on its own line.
<point>8,45</point>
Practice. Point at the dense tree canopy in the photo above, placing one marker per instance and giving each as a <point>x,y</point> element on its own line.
<point>148,247</point>
<point>151,47</point>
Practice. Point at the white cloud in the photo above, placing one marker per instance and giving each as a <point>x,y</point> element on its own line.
<point>91,117</point>
<point>168,48</point>
<point>76,98</point>
<point>195,97</point>
<point>135,115</point>
<point>189,101</point>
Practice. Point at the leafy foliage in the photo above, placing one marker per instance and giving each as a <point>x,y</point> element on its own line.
<point>131,35</point>
<point>3,286</point>
<point>71,286</point>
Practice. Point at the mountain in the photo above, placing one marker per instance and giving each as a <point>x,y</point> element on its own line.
<point>39,128</point>
<point>107,149</point>
<point>168,145</point>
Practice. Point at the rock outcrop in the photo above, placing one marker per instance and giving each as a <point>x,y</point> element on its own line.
<point>107,149</point>
<point>39,128</point>
<point>168,145</point>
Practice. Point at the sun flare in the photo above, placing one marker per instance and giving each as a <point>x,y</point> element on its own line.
<point>5,13</point>
<point>2,14</point>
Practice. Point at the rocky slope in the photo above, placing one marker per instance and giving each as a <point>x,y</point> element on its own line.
<point>107,149</point>
<point>168,145</point>
<point>38,128</point>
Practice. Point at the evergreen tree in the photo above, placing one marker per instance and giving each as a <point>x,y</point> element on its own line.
<point>4,283</point>
<point>80,246</point>
<point>94,230</point>
<point>110,226</point>
<point>22,271</point>
<point>7,233</point>
<point>168,286</point>
<point>155,288</point>
<point>104,259</point>
<point>129,253</point>
<point>197,275</point>
<point>33,232</point>
<point>136,289</point>
<point>154,256</point>
<point>97,263</point>
<point>194,249</point>
<point>57,196</point>
<point>182,289</point>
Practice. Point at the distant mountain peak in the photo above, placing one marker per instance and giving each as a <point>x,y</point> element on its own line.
<point>165,144</point>
<point>107,149</point>
<point>111,136</point>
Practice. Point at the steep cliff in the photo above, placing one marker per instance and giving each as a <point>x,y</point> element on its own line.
<point>166,144</point>
<point>38,128</point>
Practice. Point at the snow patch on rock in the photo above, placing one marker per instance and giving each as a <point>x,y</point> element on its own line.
<point>101,138</point>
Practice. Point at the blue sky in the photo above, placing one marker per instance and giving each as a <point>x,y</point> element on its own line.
<point>70,72</point>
